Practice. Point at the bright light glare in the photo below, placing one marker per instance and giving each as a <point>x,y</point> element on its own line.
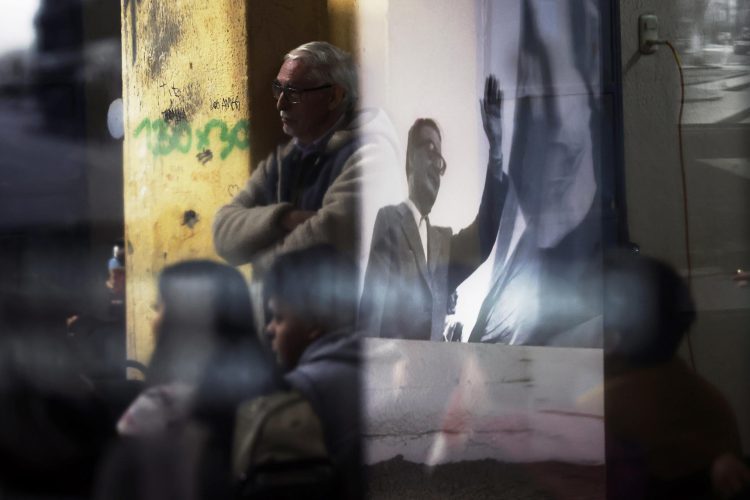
<point>17,24</point>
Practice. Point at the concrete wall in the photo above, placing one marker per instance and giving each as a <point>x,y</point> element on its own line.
<point>435,403</point>
<point>717,198</point>
<point>650,103</point>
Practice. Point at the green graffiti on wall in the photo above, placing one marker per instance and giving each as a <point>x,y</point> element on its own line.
<point>164,138</point>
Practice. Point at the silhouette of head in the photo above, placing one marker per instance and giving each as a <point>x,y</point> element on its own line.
<point>309,293</point>
<point>203,306</point>
<point>647,308</point>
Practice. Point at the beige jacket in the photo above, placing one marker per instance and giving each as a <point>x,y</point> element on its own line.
<point>248,229</point>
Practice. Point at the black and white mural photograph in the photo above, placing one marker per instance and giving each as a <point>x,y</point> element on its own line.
<point>499,235</point>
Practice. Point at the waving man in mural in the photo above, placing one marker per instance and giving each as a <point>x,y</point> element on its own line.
<point>414,266</point>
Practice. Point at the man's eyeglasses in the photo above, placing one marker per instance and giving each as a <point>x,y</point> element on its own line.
<point>294,96</point>
<point>436,159</point>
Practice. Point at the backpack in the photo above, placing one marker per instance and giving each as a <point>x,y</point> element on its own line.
<point>279,450</point>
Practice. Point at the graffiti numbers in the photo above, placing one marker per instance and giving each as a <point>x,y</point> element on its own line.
<point>163,138</point>
<point>231,138</point>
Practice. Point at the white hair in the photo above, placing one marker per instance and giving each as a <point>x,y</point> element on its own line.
<point>330,64</point>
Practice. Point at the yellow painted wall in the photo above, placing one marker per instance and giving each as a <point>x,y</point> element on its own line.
<point>186,146</point>
<point>343,24</point>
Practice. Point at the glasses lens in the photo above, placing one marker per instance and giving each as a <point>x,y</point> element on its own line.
<point>276,89</point>
<point>293,95</point>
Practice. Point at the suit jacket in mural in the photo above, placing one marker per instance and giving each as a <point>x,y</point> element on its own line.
<point>405,292</point>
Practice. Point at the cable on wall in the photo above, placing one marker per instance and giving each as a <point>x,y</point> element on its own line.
<point>683,176</point>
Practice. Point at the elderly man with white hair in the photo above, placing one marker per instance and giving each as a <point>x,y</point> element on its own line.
<point>309,190</point>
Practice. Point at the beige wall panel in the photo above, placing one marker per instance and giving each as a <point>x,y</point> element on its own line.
<point>343,24</point>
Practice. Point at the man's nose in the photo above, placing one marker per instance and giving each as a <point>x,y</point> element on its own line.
<point>282,103</point>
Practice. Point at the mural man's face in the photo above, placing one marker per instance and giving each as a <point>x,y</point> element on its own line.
<point>426,165</point>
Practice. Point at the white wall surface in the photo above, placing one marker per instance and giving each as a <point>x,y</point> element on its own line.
<point>419,60</point>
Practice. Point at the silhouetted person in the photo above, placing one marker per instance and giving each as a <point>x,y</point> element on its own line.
<point>207,359</point>
<point>312,300</point>
<point>203,311</point>
<point>116,280</point>
<point>54,425</point>
<point>670,434</point>
<point>98,338</point>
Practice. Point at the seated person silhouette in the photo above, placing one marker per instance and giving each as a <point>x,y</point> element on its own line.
<point>177,435</point>
<point>311,295</point>
<point>670,433</point>
<point>203,313</point>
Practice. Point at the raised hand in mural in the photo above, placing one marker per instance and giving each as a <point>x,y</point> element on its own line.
<point>492,117</point>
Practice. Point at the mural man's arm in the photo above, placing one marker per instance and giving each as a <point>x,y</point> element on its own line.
<point>473,244</point>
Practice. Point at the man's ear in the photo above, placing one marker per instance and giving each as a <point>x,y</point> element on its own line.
<point>337,97</point>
